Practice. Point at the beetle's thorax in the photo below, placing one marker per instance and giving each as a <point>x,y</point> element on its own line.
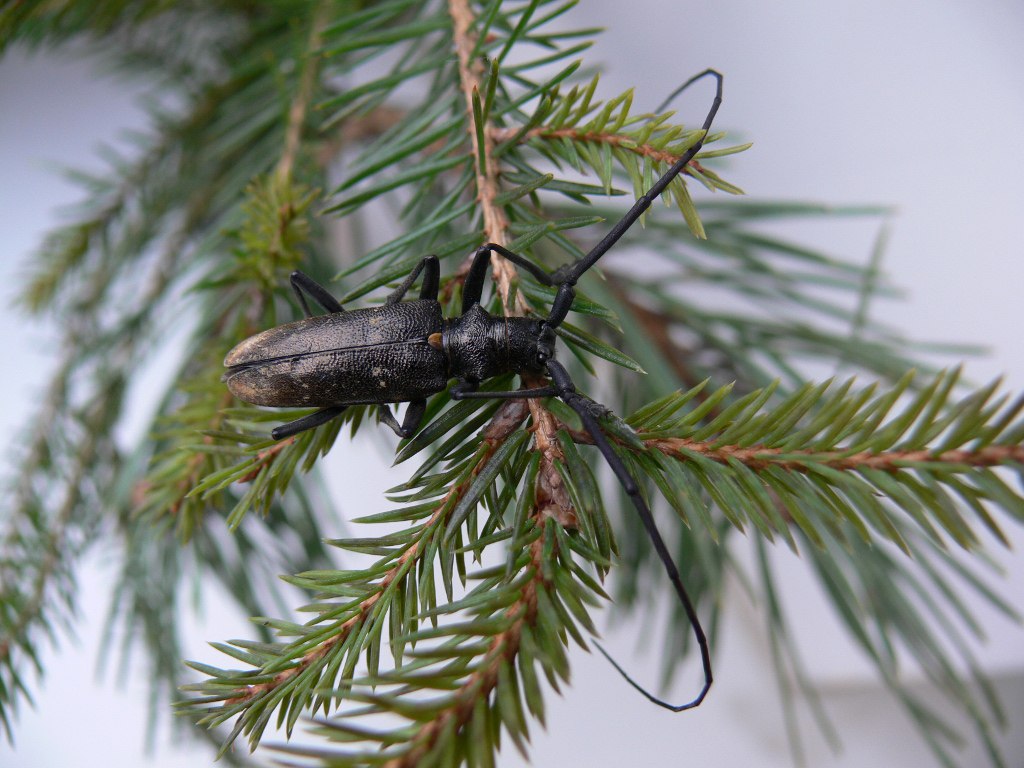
<point>480,346</point>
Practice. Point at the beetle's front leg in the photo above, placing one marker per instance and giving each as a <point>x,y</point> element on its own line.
<point>473,288</point>
<point>411,422</point>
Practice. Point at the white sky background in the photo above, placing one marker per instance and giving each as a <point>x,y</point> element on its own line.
<point>915,104</point>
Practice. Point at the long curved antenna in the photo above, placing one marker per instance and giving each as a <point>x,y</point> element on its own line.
<point>645,200</point>
<point>565,277</point>
<point>668,99</point>
<point>584,407</point>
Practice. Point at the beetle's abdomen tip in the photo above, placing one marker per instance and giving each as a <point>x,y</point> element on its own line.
<point>235,356</point>
<point>248,386</point>
<point>250,350</point>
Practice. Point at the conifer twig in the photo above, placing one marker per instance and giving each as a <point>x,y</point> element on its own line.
<point>495,228</point>
<point>478,687</point>
<point>495,221</point>
<point>617,140</point>
<point>758,457</point>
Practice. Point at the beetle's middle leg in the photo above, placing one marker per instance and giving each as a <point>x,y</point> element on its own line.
<point>411,421</point>
<point>304,285</point>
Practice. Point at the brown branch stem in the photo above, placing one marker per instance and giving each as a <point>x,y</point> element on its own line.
<point>495,220</point>
<point>759,457</point>
<point>480,684</point>
<point>299,108</point>
<point>551,498</point>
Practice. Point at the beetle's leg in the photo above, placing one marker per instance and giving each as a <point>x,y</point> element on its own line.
<point>306,422</point>
<point>474,285</point>
<point>411,422</point>
<point>303,284</point>
<point>587,409</point>
<point>431,281</point>
<point>473,288</point>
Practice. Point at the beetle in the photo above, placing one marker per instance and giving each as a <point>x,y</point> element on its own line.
<point>405,351</point>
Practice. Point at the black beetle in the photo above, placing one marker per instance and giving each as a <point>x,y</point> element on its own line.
<point>405,351</point>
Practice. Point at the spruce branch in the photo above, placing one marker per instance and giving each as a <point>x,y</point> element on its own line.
<point>759,458</point>
<point>493,670</point>
<point>496,222</point>
<point>493,555</point>
<point>641,143</point>
<point>846,446</point>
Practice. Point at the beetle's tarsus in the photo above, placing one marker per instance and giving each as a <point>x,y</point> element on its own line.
<point>411,422</point>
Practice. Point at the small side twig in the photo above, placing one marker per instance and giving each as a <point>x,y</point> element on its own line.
<point>508,418</point>
<point>499,134</point>
<point>757,457</point>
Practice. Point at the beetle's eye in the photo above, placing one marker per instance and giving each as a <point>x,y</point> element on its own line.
<point>542,358</point>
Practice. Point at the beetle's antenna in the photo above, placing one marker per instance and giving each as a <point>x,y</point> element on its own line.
<point>668,99</point>
<point>585,409</point>
<point>565,277</point>
<point>573,274</point>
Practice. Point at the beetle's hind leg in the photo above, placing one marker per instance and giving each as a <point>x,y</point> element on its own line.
<point>306,422</point>
<point>431,281</point>
<point>304,285</point>
<point>411,422</point>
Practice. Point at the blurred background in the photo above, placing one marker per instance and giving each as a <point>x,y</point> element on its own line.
<point>912,104</point>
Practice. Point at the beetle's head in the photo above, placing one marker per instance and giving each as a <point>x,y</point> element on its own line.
<point>531,343</point>
<point>545,347</point>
